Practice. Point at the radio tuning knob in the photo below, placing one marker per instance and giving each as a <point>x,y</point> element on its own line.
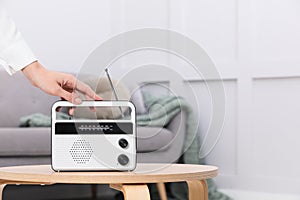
<point>123,159</point>
<point>123,143</point>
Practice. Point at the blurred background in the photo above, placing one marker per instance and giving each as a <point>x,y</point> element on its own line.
<point>255,46</point>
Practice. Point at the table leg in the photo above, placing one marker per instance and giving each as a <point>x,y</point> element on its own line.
<point>133,191</point>
<point>2,186</point>
<point>162,191</point>
<point>198,190</point>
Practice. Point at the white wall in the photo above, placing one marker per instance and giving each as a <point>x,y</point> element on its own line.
<point>255,45</point>
<point>62,33</point>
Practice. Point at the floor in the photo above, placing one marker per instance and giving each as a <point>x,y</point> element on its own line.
<point>49,192</point>
<point>254,195</point>
<point>102,198</point>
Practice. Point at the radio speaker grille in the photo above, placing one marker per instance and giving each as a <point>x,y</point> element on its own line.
<point>81,151</point>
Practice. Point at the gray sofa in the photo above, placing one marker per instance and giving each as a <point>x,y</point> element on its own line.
<point>28,146</point>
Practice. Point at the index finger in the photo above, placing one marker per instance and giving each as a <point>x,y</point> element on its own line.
<point>86,90</point>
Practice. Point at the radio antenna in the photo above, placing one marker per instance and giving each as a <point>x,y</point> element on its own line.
<point>113,89</point>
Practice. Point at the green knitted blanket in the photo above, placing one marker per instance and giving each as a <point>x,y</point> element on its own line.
<point>40,120</point>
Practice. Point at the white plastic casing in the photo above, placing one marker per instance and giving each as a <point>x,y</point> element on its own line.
<point>92,152</point>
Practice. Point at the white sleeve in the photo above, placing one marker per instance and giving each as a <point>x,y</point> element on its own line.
<point>14,52</point>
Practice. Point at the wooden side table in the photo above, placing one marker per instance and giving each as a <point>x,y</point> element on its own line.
<point>132,184</point>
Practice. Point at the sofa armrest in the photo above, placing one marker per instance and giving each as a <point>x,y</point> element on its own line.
<point>177,124</point>
<point>178,127</point>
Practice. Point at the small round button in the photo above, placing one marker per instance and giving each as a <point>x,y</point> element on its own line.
<point>123,159</point>
<point>123,143</point>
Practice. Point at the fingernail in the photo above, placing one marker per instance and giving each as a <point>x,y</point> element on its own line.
<point>78,100</point>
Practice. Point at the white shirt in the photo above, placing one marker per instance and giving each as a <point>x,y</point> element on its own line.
<point>14,52</point>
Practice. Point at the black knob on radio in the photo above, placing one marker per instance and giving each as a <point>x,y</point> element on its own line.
<point>123,143</point>
<point>123,159</point>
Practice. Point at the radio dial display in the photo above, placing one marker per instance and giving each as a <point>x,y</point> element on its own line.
<point>93,128</point>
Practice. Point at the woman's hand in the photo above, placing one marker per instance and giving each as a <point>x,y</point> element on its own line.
<point>59,84</point>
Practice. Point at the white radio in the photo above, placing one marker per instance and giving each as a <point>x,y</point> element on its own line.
<point>89,141</point>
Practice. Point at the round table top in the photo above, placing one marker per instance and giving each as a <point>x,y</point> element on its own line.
<point>144,173</point>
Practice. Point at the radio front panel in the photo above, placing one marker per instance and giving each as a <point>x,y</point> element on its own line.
<point>98,135</point>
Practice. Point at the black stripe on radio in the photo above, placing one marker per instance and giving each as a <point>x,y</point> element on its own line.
<point>62,128</point>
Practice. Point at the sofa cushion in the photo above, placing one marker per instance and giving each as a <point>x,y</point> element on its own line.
<point>37,141</point>
<point>153,139</point>
<point>25,142</point>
